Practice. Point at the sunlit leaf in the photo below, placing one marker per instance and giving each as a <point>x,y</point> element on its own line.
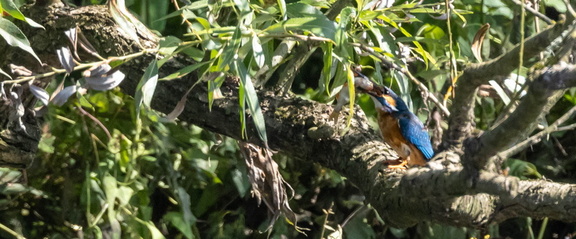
<point>295,10</point>
<point>251,100</point>
<point>231,50</point>
<point>9,7</point>
<point>317,26</point>
<point>184,71</point>
<point>259,56</point>
<point>327,68</point>
<point>66,59</point>
<point>521,169</point>
<point>146,86</point>
<point>15,37</point>
<point>282,7</point>
<point>40,93</point>
<point>155,233</point>
<point>168,45</point>
<point>215,80</point>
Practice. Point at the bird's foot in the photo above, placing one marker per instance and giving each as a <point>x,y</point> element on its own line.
<point>397,164</point>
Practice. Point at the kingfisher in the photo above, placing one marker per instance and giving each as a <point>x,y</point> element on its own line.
<point>401,129</point>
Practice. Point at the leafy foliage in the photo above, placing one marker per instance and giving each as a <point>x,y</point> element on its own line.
<point>109,168</point>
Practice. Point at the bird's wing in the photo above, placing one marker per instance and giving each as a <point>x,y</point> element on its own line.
<point>413,131</point>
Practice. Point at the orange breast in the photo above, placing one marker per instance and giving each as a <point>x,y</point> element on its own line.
<point>390,130</point>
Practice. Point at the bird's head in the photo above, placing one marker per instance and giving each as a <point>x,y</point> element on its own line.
<point>384,98</point>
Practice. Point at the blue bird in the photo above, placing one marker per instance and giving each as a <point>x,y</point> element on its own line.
<point>401,129</point>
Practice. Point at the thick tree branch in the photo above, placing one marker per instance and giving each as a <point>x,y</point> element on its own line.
<point>544,92</point>
<point>461,122</point>
<point>301,129</point>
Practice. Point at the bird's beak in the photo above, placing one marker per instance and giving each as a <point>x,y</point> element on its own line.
<point>383,100</point>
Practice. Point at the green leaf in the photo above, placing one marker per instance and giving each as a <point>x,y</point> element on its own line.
<point>230,50</point>
<point>327,68</point>
<point>14,37</point>
<point>352,94</point>
<point>176,219</point>
<point>318,26</point>
<point>241,182</point>
<point>156,234</point>
<point>184,71</point>
<point>9,7</point>
<point>184,201</point>
<point>47,143</point>
<point>146,86</point>
<point>251,99</point>
<point>521,169</point>
<point>215,80</point>
<point>259,56</point>
<point>168,45</point>
<point>419,49</point>
<point>295,10</point>
<point>282,7</point>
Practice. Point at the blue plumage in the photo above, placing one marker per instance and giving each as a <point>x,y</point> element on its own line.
<point>413,131</point>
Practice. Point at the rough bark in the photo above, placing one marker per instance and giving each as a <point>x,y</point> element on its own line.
<point>441,192</point>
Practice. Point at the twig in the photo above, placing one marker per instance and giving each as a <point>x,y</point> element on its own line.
<point>537,137</point>
<point>407,73</point>
<point>10,231</point>
<point>55,71</point>
<point>533,11</point>
<point>175,2</point>
<point>96,121</point>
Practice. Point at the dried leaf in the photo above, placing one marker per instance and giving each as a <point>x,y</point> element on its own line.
<point>268,186</point>
<point>102,78</point>
<point>20,70</point>
<point>40,93</point>
<point>72,35</point>
<point>65,58</point>
<point>478,40</point>
<point>63,95</point>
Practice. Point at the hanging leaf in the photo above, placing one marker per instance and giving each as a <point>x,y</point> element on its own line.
<point>63,95</point>
<point>351,94</point>
<point>40,93</point>
<point>184,71</point>
<point>251,99</point>
<point>9,7</point>
<point>327,68</point>
<point>259,56</point>
<point>102,78</point>
<point>318,26</point>
<point>215,80</point>
<point>146,86</point>
<point>168,45</point>
<point>478,40</point>
<point>282,6</point>
<point>65,58</point>
<point>15,37</point>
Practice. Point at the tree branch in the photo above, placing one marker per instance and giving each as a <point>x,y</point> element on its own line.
<point>302,129</point>
<point>461,122</point>
<point>544,92</point>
